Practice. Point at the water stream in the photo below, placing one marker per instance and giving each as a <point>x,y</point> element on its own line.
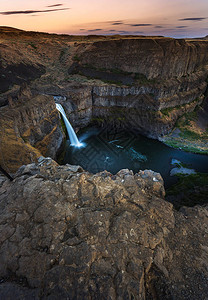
<point>72,135</point>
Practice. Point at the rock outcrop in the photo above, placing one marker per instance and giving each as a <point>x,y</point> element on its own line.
<point>19,73</point>
<point>29,127</point>
<point>154,57</point>
<point>68,234</point>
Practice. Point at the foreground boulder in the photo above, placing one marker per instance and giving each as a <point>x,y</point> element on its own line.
<point>68,234</point>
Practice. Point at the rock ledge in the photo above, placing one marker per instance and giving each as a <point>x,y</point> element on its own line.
<point>68,234</point>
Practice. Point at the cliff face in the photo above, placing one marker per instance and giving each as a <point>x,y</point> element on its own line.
<point>141,82</point>
<point>16,68</point>
<point>78,105</point>
<point>153,57</point>
<point>69,234</point>
<point>76,99</point>
<point>158,80</point>
<point>29,128</point>
<point>152,109</point>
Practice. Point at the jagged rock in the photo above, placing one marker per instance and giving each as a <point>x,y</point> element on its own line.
<point>24,92</point>
<point>28,130</point>
<point>74,235</point>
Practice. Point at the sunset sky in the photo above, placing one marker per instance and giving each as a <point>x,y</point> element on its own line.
<point>174,18</point>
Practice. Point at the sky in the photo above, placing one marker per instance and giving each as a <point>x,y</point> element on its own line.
<point>173,18</point>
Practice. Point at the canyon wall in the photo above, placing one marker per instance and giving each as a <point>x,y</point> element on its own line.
<point>145,83</point>
<point>154,57</point>
<point>29,128</point>
<point>152,109</point>
<point>155,80</point>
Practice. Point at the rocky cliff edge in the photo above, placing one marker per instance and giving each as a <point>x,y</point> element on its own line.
<point>68,234</point>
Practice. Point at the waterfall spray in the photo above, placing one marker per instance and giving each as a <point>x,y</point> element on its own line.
<point>72,135</point>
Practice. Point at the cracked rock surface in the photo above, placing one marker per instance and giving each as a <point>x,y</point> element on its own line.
<point>69,234</point>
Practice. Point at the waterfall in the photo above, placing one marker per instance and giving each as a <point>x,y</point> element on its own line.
<point>72,135</point>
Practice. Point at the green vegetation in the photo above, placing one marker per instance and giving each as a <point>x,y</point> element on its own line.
<point>187,134</point>
<point>188,147</point>
<point>189,137</point>
<point>192,115</point>
<point>117,111</point>
<point>115,71</point>
<point>168,110</point>
<point>121,118</point>
<point>77,78</point>
<point>190,190</point>
<point>141,78</point>
<point>186,119</point>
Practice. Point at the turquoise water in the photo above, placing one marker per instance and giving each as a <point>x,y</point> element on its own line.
<point>120,149</point>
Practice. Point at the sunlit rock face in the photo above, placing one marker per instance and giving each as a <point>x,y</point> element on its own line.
<point>66,233</point>
<point>30,128</point>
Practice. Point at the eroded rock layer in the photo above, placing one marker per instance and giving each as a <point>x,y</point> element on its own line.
<point>154,57</point>
<point>132,81</point>
<point>29,127</point>
<point>68,234</point>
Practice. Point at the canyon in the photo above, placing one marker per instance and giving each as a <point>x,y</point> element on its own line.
<point>146,83</point>
<point>70,234</point>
